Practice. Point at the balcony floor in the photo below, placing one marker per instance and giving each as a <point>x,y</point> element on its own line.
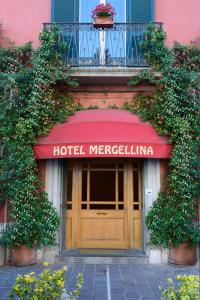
<point>116,75</point>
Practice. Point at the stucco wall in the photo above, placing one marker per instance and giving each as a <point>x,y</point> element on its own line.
<point>181,19</point>
<point>22,19</point>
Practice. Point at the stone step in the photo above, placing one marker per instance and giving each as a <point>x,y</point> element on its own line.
<point>68,260</point>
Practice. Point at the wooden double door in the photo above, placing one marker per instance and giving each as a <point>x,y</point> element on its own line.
<point>103,201</point>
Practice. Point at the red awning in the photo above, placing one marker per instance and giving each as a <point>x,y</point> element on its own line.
<point>103,133</point>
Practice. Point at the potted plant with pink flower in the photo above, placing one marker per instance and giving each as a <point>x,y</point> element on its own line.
<point>103,15</point>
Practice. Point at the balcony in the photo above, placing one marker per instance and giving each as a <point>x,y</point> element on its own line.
<point>116,47</point>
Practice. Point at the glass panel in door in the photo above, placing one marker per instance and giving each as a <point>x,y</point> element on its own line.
<point>103,186</point>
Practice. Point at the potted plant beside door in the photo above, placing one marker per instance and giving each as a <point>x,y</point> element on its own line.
<point>33,226</point>
<point>174,226</point>
<point>103,15</point>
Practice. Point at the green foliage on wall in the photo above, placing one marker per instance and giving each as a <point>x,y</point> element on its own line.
<point>29,107</point>
<point>174,111</point>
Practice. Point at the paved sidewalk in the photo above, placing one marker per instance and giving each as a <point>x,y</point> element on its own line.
<point>127,281</point>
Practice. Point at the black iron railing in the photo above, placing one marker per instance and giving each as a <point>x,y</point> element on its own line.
<point>119,46</point>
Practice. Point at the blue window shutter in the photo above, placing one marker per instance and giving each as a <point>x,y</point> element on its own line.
<point>140,11</point>
<point>64,11</point>
<point>67,11</point>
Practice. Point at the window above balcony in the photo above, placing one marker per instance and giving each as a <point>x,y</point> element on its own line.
<point>88,46</point>
<point>79,11</point>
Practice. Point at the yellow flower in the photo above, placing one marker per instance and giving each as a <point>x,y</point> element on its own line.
<point>19,278</point>
<point>32,273</point>
<point>61,283</point>
<point>38,290</point>
<point>17,288</point>
<point>27,278</point>
<point>64,268</point>
<point>45,264</point>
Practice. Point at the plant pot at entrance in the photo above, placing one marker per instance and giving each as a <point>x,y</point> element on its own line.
<point>22,256</point>
<point>103,22</point>
<point>183,255</point>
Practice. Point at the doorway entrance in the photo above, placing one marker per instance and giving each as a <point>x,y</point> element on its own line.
<point>103,204</point>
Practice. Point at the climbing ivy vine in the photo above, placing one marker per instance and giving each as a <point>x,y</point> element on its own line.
<point>173,110</point>
<point>30,106</point>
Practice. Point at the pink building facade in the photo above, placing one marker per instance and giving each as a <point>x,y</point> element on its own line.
<point>141,169</point>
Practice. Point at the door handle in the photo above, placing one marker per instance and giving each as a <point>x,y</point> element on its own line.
<point>103,214</point>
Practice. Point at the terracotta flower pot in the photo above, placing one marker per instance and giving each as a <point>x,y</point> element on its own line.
<point>183,255</point>
<point>22,256</point>
<point>103,22</point>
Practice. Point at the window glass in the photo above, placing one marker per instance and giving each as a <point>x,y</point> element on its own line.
<point>102,186</point>
<point>84,185</point>
<point>135,187</point>
<point>115,47</point>
<point>121,186</point>
<point>86,7</point>
<point>120,8</point>
<point>69,185</point>
<point>69,188</point>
